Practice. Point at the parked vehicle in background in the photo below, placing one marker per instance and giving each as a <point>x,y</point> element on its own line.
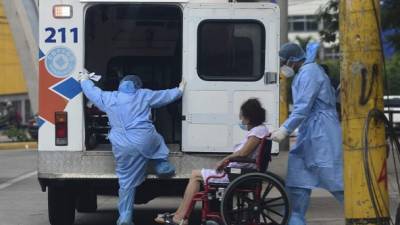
<point>9,116</point>
<point>33,127</point>
<point>392,110</point>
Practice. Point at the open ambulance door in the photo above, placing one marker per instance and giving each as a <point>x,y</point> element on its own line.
<point>230,54</point>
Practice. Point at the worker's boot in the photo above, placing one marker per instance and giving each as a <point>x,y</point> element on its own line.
<point>125,220</point>
<point>163,168</point>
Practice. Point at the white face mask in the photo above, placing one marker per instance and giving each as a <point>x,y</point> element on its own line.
<point>287,71</point>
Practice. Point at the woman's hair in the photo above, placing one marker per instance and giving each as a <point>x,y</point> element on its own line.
<point>253,111</point>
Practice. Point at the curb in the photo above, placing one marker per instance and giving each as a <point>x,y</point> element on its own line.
<point>18,145</point>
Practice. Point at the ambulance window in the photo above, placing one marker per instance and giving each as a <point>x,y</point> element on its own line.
<point>231,50</point>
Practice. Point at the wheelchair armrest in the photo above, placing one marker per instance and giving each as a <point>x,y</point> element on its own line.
<point>207,181</point>
<point>242,160</point>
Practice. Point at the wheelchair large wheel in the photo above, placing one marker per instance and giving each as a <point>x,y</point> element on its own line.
<point>277,177</point>
<point>255,199</point>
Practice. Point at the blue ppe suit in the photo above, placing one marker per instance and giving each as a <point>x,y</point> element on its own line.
<point>316,160</point>
<point>133,136</point>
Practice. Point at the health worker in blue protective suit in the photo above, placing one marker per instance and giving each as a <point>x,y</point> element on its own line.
<point>316,159</point>
<point>133,136</point>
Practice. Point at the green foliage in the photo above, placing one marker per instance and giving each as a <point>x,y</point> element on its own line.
<point>16,134</point>
<point>334,68</point>
<point>390,10</point>
<point>393,75</point>
<point>329,17</point>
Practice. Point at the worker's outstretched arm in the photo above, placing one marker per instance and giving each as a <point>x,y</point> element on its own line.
<point>309,86</point>
<point>99,97</point>
<point>164,97</point>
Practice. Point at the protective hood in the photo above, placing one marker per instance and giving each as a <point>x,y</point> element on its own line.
<point>127,87</point>
<point>130,84</point>
<point>312,52</point>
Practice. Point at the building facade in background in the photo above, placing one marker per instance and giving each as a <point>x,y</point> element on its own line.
<point>304,24</point>
<point>12,82</point>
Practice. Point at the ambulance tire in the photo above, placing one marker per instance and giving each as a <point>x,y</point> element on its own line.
<point>86,202</point>
<point>61,206</point>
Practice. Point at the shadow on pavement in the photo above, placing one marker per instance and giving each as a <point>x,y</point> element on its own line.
<point>144,215</point>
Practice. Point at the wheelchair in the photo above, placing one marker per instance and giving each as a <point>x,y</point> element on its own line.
<point>252,196</point>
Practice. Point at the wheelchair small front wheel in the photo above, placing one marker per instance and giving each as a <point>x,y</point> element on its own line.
<point>255,199</point>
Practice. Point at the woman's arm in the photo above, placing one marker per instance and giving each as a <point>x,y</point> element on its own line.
<point>250,145</point>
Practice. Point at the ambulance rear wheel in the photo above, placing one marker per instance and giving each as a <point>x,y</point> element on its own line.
<point>61,206</point>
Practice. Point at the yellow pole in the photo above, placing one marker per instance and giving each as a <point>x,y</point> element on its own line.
<point>361,66</point>
<point>283,82</point>
<point>283,107</point>
<point>283,97</point>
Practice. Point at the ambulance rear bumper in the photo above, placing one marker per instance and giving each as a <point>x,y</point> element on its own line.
<point>100,165</point>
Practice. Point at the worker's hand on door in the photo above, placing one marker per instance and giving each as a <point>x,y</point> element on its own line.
<point>182,86</point>
<point>279,135</point>
<point>84,75</point>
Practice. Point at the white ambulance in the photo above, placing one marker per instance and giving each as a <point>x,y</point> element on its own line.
<point>226,51</point>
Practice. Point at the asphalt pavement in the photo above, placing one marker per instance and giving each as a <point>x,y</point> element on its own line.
<point>23,203</point>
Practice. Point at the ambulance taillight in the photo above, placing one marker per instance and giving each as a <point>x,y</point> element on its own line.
<point>61,125</point>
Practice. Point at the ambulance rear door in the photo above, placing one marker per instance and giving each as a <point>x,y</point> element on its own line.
<point>230,54</point>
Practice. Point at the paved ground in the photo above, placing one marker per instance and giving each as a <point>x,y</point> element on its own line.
<point>22,202</point>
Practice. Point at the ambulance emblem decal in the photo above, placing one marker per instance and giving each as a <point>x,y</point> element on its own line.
<point>60,62</point>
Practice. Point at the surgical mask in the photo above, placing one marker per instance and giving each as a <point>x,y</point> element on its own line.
<point>243,126</point>
<point>287,71</point>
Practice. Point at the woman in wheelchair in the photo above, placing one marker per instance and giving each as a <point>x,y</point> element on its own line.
<point>252,116</point>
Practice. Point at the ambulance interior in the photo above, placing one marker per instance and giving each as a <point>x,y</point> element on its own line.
<point>139,39</point>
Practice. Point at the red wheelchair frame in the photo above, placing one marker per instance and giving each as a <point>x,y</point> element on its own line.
<point>262,161</point>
